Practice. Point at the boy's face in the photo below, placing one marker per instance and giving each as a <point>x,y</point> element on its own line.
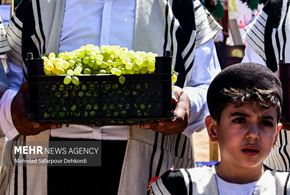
<point>245,134</point>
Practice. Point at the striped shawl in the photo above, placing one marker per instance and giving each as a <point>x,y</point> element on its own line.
<point>269,33</point>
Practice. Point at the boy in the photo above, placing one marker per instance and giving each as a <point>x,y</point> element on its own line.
<point>267,42</point>
<point>244,102</point>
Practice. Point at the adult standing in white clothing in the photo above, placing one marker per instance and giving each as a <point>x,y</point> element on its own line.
<point>183,27</point>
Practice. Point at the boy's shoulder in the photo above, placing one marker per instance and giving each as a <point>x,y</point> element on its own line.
<point>276,182</point>
<point>190,174</point>
<point>283,176</point>
<point>206,170</point>
<point>199,180</point>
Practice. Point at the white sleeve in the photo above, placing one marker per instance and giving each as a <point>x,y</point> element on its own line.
<point>206,66</point>
<point>15,77</point>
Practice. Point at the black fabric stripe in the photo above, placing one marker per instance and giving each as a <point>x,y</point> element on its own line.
<point>24,172</point>
<point>40,26</point>
<point>285,150</point>
<point>16,180</point>
<point>12,30</point>
<point>183,10</point>
<point>210,22</point>
<point>15,23</point>
<point>177,144</point>
<point>197,17</point>
<point>275,158</point>
<point>177,162</point>
<point>166,29</point>
<point>187,154</point>
<point>183,147</point>
<point>181,151</point>
<point>160,160</point>
<point>270,160</point>
<point>179,63</point>
<point>24,180</point>
<point>258,29</point>
<point>273,9</point>
<point>152,155</point>
<point>269,50</point>
<point>262,17</point>
<point>13,54</point>
<point>16,169</point>
<point>189,67</point>
<point>190,50</point>
<point>267,168</point>
<point>197,7</point>
<point>171,144</point>
<point>280,151</point>
<point>13,47</point>
<point>203,20</point>
<point>160,190</point>
<point>255,43</point>
<point>4,40</point>
<point>284,32</point>
<point>190,182</point>
<point>257,37</point>
<point>171,33</point>
<point>28,30</point>
<point>286,184</point>
<point>200,30</point>
<point>216,27</point>
<point>188,55</point>
<point>39,43</point>
<point>276,162</point>
<point>277,43</point>
<point>15,51</point>
<point>174,182</point>
<point>3,179</point>
<point>15,59</point>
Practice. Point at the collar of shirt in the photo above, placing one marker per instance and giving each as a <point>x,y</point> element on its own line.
<point>227,188</point>
<point>99,22</point>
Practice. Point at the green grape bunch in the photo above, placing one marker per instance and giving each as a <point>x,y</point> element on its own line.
<point>91,59</point>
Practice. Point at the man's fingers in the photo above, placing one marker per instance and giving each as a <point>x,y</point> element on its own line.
<point>165,127</point>
<point>33,128</point>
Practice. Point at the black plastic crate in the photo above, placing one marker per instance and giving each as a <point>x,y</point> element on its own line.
<point>101,99</point>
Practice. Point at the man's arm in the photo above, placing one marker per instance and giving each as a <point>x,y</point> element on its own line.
<point>13,115</point>
<point>191,107</point>
<point>206,66</point>
<point>3,86</point>
<point>9,90</point>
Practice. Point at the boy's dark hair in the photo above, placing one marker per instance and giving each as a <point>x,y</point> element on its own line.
<point>244,82</point>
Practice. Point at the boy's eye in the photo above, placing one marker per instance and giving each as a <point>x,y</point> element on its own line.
<point>268,123</point>
<point>239,120</point>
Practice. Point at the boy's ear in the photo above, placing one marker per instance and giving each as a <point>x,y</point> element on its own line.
<point>211,126</point>
<point>279,127</point>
